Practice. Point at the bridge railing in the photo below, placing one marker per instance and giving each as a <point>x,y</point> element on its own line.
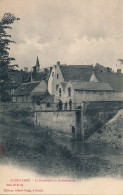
<point>57,107</point>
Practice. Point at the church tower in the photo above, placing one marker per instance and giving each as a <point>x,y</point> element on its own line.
<point>37,65</point>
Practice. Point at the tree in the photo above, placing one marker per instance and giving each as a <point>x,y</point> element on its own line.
<point>5,59</point>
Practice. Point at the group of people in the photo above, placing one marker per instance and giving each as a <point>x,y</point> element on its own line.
<point>60,105</point>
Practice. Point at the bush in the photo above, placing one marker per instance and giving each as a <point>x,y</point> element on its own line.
<point>22,112</point>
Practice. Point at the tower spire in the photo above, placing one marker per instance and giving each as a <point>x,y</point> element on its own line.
<point>37,65</point>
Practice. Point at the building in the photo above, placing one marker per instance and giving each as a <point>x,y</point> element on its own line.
<point>64,73</point>
<point>61,92</point>
<point>32,92</point>
<point>36,68</point>
<point>79,91</point>
<point>114,79</point>
<point>48,103</point>
<point>38,73</point>
<point>16,78</point>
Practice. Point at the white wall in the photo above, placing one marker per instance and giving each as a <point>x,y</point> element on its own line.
<point>94,96</point>
<point>58,121</point>
<point>93,78</point>
<point>62,94</point>
<point>53,81</point>
<point>119,95</point>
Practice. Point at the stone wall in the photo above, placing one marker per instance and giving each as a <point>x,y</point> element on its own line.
<point>59,121</point>
<point>95,115</point>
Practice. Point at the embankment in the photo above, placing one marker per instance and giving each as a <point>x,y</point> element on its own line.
<point>111,133</point>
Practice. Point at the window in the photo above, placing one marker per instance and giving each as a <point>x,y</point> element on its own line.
<point>57,87</point>
<point>16,98</point>
<point>48,104</point>
<point>59,92</point>
<point>57,76</point>
<point>69,91</point>
<point>52,73</point>
<point>38,102</point>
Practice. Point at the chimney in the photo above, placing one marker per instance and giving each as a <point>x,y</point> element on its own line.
<point>58,63</point>
<point>50,69</point>
<point>109,69</point>
<point>118,71</point>
<point>26,69</point>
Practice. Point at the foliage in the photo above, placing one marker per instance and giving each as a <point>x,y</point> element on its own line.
<point>5,41</point>
<point>20,113</point>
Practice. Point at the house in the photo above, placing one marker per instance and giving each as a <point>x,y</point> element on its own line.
<point>30,92</point>
<point>114,79</point>
<point>79,91</point>
<point>61,92</point>
<point>64,73</point>
<point>39,74</point>
<point>48,103</point>
<point>16,78</point>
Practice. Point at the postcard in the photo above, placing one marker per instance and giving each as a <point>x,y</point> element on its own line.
<point>61,97</point>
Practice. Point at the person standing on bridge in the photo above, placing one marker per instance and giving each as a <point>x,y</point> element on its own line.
<point>60,105</point>
<point>70,104</point>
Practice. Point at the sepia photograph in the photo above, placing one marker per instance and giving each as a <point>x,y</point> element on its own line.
<point>61,97</point>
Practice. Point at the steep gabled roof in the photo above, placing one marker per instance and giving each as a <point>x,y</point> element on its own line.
<point>114,79</point>
<point>90,86</point>
<point>38,76</point>
<point>25,88</point>
<point>49,99</point>
<point>18,76</point>
<point>63,84</point>
<point>75,72</point>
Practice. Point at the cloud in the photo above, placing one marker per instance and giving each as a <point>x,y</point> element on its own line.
<point>75,32</point>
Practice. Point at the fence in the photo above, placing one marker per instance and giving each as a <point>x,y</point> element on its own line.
<point>4,107</point>
<point>58,107</point>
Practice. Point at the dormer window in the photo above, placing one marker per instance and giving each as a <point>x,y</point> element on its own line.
<point>57,76</point>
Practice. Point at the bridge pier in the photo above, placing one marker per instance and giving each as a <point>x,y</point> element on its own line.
<point>79,124</point>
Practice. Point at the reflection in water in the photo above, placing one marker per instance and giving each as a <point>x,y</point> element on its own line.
<point>85,149</point>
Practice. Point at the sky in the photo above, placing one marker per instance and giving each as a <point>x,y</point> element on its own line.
<point>70,31</point>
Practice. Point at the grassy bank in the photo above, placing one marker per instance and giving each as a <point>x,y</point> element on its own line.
<point>34,148</point>
<point>111,132</point>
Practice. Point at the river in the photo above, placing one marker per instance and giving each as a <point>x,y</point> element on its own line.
<point>26,146</point>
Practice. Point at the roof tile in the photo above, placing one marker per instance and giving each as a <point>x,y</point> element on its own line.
<point>75,72</point>
<point>91,86</point>
<point>25,88</point>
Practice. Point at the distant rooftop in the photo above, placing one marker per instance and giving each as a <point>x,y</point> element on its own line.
<point>91,86</point>
<point>25,88</point>
<point>75,72</point>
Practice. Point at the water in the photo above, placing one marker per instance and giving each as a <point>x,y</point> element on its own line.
<point>93,150</point>
<point>28,147</point>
